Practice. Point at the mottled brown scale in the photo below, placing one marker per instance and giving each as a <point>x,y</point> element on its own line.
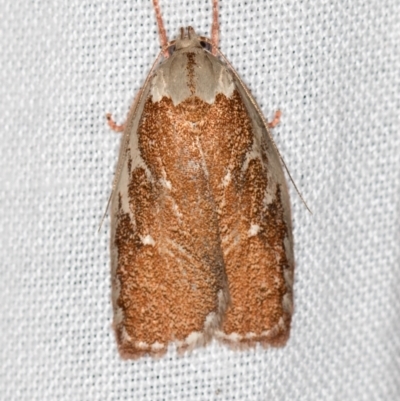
<point>256,282</point>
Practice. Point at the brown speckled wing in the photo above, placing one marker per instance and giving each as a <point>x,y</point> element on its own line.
<point>170,277</point>
<point>254,222</point>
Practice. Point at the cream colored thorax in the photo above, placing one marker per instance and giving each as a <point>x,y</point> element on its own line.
<point>206,75</point>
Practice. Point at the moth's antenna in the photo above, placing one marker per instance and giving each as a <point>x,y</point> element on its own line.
<point>215,28</point>
<point>161,29</point>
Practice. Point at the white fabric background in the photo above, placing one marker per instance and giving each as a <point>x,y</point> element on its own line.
<point>333,67</point>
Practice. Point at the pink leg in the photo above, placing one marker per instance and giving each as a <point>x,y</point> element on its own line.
<point>113,125</point>
<point>276,119</point>
<point>161,29</point>
<point>215,28</point>
<point>119,128</point>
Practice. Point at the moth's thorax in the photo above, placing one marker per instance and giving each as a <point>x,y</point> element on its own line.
<point>191,71</point>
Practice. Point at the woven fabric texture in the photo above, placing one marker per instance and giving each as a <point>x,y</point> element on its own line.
<point>332,67</point>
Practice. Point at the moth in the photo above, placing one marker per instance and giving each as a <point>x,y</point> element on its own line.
<point>201,232</point>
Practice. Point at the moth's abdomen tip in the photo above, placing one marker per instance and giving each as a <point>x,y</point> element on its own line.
<point>128,351</point>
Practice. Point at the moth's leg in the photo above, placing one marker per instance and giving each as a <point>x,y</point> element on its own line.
<point>113,125</point>
<point>276,120</point>
<point>120,128</point>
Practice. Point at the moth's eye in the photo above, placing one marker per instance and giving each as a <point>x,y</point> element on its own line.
<point>205,45</point>
<point>171,50</point>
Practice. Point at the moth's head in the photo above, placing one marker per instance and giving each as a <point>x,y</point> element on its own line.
<point>189,38</point>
